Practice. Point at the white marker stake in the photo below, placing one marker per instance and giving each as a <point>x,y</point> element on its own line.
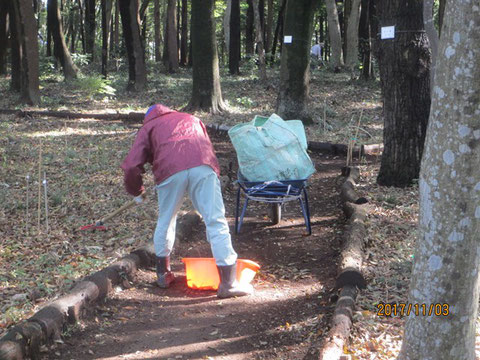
<point>46,199</point>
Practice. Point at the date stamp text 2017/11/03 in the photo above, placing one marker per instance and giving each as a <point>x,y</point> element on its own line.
<point>405,309</point>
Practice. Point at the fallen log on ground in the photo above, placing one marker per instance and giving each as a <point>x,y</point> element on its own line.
<point>25,339</point>
<point>341,325</point>
<point>349,277</point>
<point>351,257</point>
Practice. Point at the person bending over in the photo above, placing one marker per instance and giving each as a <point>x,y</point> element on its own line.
<point>183,160</point>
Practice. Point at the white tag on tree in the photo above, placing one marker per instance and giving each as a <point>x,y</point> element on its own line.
<point>388,32</point>
<point>287,39</point>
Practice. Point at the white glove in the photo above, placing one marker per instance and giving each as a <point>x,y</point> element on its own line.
<point>138,199</point>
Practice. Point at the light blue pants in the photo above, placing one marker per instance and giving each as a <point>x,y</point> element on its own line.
<point>204,190</point>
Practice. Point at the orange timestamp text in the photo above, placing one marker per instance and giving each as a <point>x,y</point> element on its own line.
<point>405,309</point>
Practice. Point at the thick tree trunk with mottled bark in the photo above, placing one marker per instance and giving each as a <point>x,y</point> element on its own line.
<point>334,33</point>
<point>16,48</point>
<point>447,258</point>
<point>60,49</point>
<point>3,37</point>
<point>295,65</point>
<point>206,90</point>
<point>137,72</point>
<point>234,39</point>
<point>90,27</point>
<point>404,64</point>
<point>171,45</point>
<point>106,19</point>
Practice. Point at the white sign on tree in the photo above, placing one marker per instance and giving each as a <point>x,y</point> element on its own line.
<point>388,32</point>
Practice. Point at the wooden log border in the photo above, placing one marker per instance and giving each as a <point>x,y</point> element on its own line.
<point>350,278</point>
<point>137,117</point>
<point>25,339</point>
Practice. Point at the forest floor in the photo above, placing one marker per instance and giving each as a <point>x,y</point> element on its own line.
<point>289,314</point>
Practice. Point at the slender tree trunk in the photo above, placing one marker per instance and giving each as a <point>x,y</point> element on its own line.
<point>259,38</point>
<point>249,50</point>
<point>60,49</point>
<point>28,30</point>
<point>404,64</point>
<point>3,37</point>
<point>206,91</point>
<point>295,65</point>
<point>114,36</point>
<point>16,48</point>
<point>234,38</point>
<point>447,257</point>
<point>184,30</point>
<point>269,27</point>
<point>441,12</point>
<point>365,41</point>
<point>171,60</point>
<point>226,25</point>
<point>432,35</point>
<point>106,19</point>
<point>82,27</point>
<point>90,27</point>
<point>278,31</point>
<point>156,24</point>
<point>335,35</point>
<point>137,72</point>
<point>352,36</point>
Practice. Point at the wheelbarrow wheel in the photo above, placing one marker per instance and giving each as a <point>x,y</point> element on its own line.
<point>276,213</point>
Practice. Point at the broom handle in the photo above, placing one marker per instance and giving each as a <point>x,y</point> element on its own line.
<point>124,207</point>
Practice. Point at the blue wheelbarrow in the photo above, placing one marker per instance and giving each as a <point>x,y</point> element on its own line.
<point>275,193</point>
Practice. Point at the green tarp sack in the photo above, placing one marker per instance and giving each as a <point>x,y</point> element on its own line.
<point>271,149</point>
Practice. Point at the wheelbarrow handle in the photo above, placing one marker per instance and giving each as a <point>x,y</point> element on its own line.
<point>124,207</point>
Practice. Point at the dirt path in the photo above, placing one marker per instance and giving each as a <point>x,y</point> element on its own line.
<point>289,310</point>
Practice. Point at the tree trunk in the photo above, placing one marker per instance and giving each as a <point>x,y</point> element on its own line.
<point>234,38</point>
<point>206,91</point>
<point>184,30</point>
<point>447,257</point>
<point>295,65</point>
<point>278,31</point>
<point>334,34</point>
<point>60,49</point>
<point>226,25</point>
<point>137,72</point>
<point>262,72</point>
<point>30,84</point>
<point>365,40</point>
<point>82,27</point>
<point>90,27</point>
<point>404,64</point>
<point>352,36</point>
<point>72,28</point>
<point>106,19</point>
<point>249,50</point>
<point>157,31</point>
<point>432,35</point>
<point>16,47</point>
<point>171,59</point>
<point>3,37</point>
<point>441,13</point>
<point>114,36</point>
<point>269,27</point>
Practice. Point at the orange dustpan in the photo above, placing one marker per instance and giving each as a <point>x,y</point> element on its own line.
<point>202,273</point>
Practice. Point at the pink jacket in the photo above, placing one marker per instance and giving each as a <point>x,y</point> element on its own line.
<point>171,141</point>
